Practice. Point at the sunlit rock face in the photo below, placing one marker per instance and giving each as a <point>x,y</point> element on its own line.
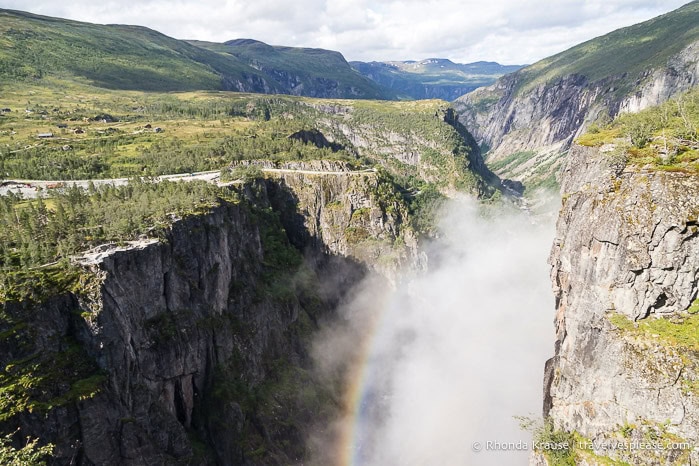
<point>626,249</point>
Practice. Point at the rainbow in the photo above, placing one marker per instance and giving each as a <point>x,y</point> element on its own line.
<point>356,395</point>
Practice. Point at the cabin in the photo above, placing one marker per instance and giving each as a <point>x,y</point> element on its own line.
<point>158,129</point>
<point>148,126</point>
<point>5,110</point>
<point>44,135</point>
<point>78,131</point>
<point>62,125</point>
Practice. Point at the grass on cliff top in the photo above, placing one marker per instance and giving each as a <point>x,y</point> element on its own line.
<point>197,131</point>
<point>99,133</point>
<point>33,234</point>
<point>682,332</point>
<point>665,137</point>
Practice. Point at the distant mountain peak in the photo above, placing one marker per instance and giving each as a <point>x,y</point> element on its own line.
<point>432,78</point>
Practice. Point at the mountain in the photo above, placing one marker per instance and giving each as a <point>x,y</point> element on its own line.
<point>527,120</point>
<point>138,58</point>
<point>434,78</point>
<point>300,71</point>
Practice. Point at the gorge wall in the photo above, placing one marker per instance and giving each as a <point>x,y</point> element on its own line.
<point>529,127</point>
<point>194,348</point>
<point>625,266</point>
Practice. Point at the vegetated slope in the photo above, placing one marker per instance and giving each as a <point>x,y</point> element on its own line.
<point>93,133</point>
<point>433,78</point>
<point>138,58</point>
<point>663,137</point>
<point>528,119</point>
<point>301,71</point>
<point>111,56</point>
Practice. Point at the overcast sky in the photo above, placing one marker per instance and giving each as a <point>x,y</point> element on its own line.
<point>507,31</point>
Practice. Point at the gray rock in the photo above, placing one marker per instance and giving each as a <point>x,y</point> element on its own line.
<point>626,244</point>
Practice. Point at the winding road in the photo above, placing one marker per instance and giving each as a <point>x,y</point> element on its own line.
<point>31,189</point>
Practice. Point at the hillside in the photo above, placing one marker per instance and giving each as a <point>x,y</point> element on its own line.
<point>433,78</point>
<point>66,131</point>
<point>528,119</point>
<point>138,58</point>
<point>300,71</point>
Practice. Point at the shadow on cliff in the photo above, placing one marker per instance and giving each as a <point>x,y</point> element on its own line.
<point>193,349</point>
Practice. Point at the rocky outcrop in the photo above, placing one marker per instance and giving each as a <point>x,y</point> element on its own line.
<point>625,268</point>
<point>529,127</point>
<point>355,215</point>
<point>428,141</point>
<point>194,348</point>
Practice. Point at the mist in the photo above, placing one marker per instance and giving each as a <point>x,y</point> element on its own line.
<point>448,359</point>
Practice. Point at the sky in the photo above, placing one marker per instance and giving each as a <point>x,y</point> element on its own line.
<point>507,31</point>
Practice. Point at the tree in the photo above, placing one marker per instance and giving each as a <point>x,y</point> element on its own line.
<point>29,455</point>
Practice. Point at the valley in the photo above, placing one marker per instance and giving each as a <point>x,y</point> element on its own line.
<point>235,253</point>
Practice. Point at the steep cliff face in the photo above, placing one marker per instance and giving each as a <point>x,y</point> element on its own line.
<point>351,215</point>
<point>193,348</point>
<point>625,265</point>
<point>530,118</point>
<point>421,140</point>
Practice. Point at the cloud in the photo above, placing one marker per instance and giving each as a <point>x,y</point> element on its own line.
<point>508,31</point>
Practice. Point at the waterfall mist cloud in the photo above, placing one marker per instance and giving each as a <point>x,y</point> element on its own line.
<point>455,353</point>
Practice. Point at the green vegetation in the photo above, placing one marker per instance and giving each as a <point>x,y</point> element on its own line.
<point>31,454</point>
<point>398,129</point>
<point>665,137</point>
<point>679,332</point>
<point>198,131</point>
<point>44,381</point>
<point>301,71</point>
<point>562,448</point>
<point>557,445</point>
<point>114,57</point>
<point>33,234</point>
<point>170,133</point>
<point>515,159</point>
<point>131,57</point>
<point>424,208</point>
<point>623,54</point>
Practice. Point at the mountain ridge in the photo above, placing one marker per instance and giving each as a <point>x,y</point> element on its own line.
<point>131,57</point>
<point>527,120</point>
<point>431,78</point>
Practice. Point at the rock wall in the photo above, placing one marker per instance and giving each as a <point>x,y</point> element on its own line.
<point>626,253</point>
<point>196,345</point>
<point>548,117</point>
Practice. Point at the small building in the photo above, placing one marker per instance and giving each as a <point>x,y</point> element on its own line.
<point>5,110</point>
<point>79,131</point>
<point>148,126</point>
<point>45,135</point>
<point>62,125</point>
<point>158,129</point>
